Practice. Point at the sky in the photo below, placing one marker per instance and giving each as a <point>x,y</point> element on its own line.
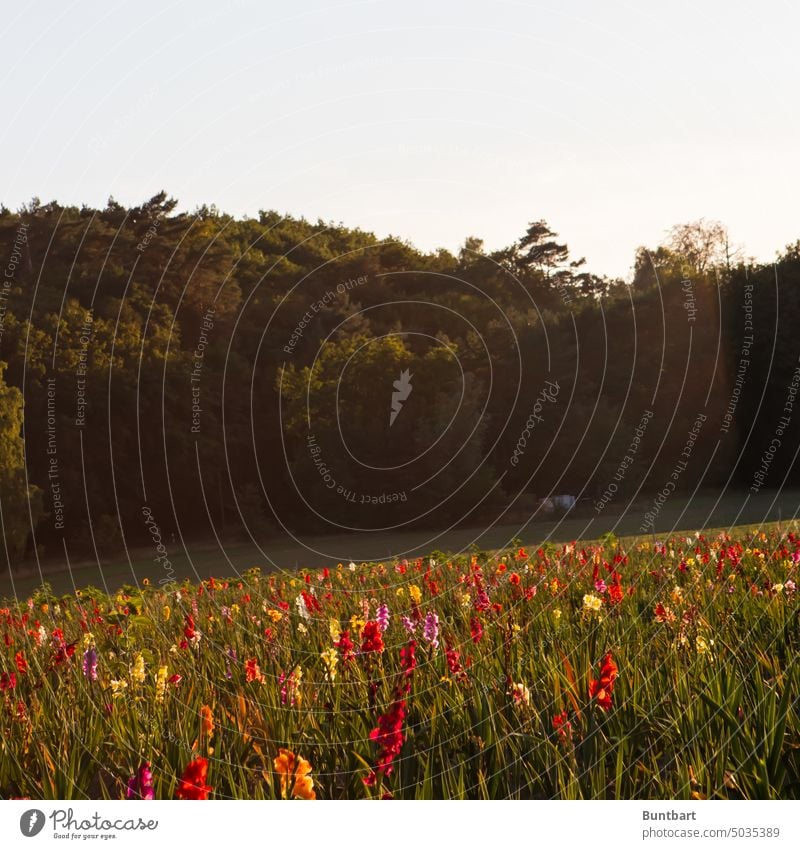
<point>431,120</point>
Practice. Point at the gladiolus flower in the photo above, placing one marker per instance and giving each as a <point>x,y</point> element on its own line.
<point>188,628</point>
<point>311,603</point>
<point>382,617</point>
<point>615,591</point>
<point>161,684</point>
<point>454,663</point>
<point>409,625</point>
<point>562,727</point>
<point>192,784</point>
<point>290,686</point>
<point>521,694</point>
<point>476,629</point>
<point>302,609</point>
<point>663,614</point>
<point>207,721</point>
<point>21,663</point>
<point>8,681</point>
<point>389,732</point>
<point>430,631</point>
<point>389,737</point>
<point>118,688</point>
<point>330,659</point>
<point>140,786</point>
<point>416,593</point>
<point>702,645</point>
<point>296,771</point>
<point>408,661</point>
<point>592,603</point>
<point>190,632</point>
<point>371,639</point>
<point>345,646</point>
<point>137,670</point>
<point>601,688</point>
<point>252,671</point>
<point>90,663</point>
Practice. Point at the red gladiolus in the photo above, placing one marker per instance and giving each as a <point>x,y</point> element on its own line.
<point>252,670</point>
<point>601,689</point>
<point>476,630</point>
<point>454,663</point>
<point>408,658</point>
<point>189,630</point>
<point>8,681</point>
<point>514,579</point>
<point>345,646</point>
<point>563,727</point>
<point>389,733</point>
<point>22,664</point>
<point>192,784</point>
<point>312,605</point>
<point>615,592</point>
<point>389,737</point>
<point>371,637</point>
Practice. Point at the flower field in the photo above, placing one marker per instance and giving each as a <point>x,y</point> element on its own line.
<point>649,669</point>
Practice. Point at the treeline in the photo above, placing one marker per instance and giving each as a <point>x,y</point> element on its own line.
<point>241,376</point>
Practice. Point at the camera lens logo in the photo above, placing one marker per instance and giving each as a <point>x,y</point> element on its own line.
<point>31,822</point>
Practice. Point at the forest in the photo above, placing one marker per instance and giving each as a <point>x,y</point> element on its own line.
<point>238,377</point>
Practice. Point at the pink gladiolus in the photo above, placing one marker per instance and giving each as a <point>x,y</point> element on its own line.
<point>430,632</point>
<point>140,786</point>
<point>90,663</point>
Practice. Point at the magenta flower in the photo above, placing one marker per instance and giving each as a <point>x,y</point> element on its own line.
<point>140,786</point>
<point>382,617</point>
<point>409,625</point>
<point>90,663</point>
<point>430,631</point>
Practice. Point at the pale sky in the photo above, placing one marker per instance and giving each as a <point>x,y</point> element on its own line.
<point>428,119</point>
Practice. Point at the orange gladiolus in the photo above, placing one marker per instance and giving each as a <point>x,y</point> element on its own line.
<point>207,720</point>
<point>290,766</point>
